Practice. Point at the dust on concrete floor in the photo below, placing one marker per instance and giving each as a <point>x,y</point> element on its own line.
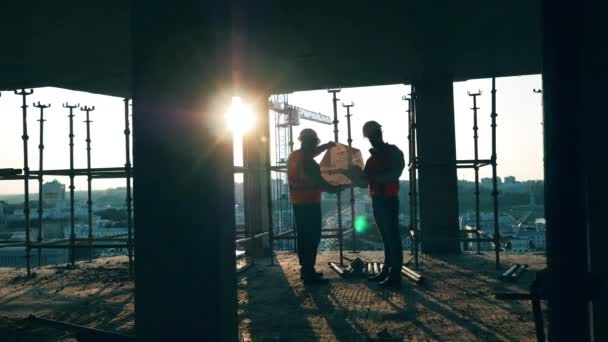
<point>95,294</point>
<point>456,303</point>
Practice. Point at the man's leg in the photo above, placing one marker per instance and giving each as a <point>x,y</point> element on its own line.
<point>394,237</point>
<point>394,242</point>
<point>300,214</point>
<point>380,218</point>
<point>315,234</point>
<point>379,208</point>
<point>311,237</point>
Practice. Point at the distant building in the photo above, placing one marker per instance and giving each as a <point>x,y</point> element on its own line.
<point>520,245</point>
<point>510,180</point>
<point>2,215</point>
<point>53,192</point>
<point>16,257</point>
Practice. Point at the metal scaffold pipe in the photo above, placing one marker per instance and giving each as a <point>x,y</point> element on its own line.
<point>40,176</point>
<point>335,100</point>
<point>352,188</point>
<point>494,176</point>
<point>88,121</point>
<point>413,169</point>
<point>129,198</point>
<point>476,168</point>
<point>71,174</point>
<point>26,174</point>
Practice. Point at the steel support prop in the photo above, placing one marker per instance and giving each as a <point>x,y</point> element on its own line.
<point>40,177</point>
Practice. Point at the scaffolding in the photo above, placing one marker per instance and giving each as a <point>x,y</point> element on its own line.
<point>282,227</point>
<point>475,164</point>
<point>120,241</point>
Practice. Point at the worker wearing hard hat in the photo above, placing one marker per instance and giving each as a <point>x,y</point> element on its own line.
<point>305,187</point>
<point>381,174</point>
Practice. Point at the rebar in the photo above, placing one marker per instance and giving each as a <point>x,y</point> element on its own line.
<point>335,99</point>
<point>476,166</point>
<point>40,176</point>
<point>129,198</point>
<point>71,187</point>
<point>350,164</point>
<point>26,174</point>
<point>88,121</point>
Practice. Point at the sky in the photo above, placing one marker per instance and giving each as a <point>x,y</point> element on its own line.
<point>519,121</point>
<point>107,137</point>
<point>519,138</point>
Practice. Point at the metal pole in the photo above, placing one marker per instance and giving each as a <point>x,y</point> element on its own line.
<point>338,195</point>
<point>40,176</point>
<point>476,167</point>
<point>411,171</point>
<point>290,113</point>
<point>352,188</point>
<point>414,179</point>
<point>270,218</point>
<point>129,197</point>
<point>71,136</point>
<point>89,179</point>
<point>494,180</point>
<point>26,174</point>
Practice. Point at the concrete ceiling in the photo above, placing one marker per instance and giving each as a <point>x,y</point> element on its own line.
<point>86,45</point>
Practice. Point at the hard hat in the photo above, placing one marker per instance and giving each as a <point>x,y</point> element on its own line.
<point>370,128</point>
<point>308,133</point>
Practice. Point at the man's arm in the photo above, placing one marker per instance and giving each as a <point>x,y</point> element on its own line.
<point>358,176</point>
<point>312,169</point>
<point>324,147</point>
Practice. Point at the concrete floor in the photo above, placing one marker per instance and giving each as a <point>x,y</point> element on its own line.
<point>456,303</point>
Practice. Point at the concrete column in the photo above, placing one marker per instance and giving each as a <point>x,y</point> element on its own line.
<point>437,175</point>
<point>593,90</point>
<point>256,155</point>
<point>574,76</point>
<point>184,195</point>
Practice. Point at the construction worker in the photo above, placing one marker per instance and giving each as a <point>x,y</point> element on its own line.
<point>381,174</point>
<point>305,187</point>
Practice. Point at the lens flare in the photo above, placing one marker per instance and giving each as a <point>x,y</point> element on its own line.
<point>361,224</point>
<point>240,118</point>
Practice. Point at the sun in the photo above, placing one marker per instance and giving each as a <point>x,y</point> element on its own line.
<point>239,117</point>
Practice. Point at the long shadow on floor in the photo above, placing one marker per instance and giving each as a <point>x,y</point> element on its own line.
<point>265,295</point>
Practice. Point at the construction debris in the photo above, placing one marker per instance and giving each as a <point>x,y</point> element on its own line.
<point>411,274</point>
<point>514,272</point>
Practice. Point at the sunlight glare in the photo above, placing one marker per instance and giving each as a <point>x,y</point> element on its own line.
<point>240,118</point>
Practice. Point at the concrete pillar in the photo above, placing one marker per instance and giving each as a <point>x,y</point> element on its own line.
<point>438,185</point>
<point>184,195</point>
<point>574,76</point>
<point>256,154</point>
<point>593,90</point>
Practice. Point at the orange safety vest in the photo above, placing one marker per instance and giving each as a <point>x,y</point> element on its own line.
<point>302,188</point>
<point>379,163</point>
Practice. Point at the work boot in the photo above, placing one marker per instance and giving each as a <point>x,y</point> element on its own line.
<point>392,281</point>
<point>379,277</point>
<point>313,279</point>
<point>313,274</point>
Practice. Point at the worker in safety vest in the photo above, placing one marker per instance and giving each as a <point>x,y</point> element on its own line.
<point>305,187</point>
<point>381,174</point>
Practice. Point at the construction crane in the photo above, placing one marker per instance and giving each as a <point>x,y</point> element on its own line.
<point>296,113</point>
<point>286,116</point>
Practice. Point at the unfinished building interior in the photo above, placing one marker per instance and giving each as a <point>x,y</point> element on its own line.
<point>181,63</point>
